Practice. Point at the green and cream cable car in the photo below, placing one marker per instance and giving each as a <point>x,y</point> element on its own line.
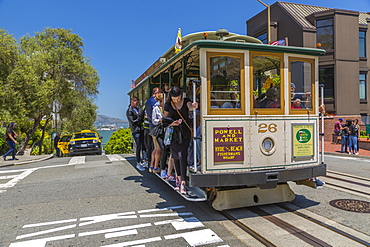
<point>258,114</point>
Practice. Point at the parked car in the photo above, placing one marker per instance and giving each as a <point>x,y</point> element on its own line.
<point>85,142</point>
<point>63,144</point>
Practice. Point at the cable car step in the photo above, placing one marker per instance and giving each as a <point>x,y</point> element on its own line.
<point>194,194</point>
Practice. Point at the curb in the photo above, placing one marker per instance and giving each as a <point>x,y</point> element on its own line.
<point>347,155</point>
<point>28,161</point>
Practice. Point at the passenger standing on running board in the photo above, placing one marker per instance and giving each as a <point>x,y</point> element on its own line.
<point>178,109</point>
<point>149,105</point>
<point>135,117</point>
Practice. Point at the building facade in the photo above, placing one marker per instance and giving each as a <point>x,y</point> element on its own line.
<point>344,69</point>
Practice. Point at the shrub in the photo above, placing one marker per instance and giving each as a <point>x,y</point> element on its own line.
<point>120,142</point>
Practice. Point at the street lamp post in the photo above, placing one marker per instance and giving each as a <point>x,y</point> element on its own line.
<point>268,21</point>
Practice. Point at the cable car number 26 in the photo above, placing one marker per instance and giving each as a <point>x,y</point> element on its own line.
<point>263,128</point>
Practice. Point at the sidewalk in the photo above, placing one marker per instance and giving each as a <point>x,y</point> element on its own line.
<point>331,148</point>
<point>24,159</point>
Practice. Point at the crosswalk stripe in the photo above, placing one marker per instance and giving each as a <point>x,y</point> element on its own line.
<point>77,160</point>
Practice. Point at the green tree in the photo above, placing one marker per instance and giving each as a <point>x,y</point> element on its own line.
<point>9,53</point>
<point>51,66</point>
<point>120,142</point>
<point>78,115</point>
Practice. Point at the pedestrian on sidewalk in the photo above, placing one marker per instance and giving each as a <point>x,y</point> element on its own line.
<point>337,125</point>
<point>56,140</point>
<point>345,135</point>
<point>10,140</point>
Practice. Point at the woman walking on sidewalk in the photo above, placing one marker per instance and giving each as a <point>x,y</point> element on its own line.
<point>10,140</point>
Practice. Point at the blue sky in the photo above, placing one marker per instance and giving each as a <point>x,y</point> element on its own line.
<point>123,38</point>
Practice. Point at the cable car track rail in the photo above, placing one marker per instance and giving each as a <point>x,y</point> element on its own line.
<point>247,229</point>
<point>348,183</point>
<point>281,215</point>
<point>334,229</point>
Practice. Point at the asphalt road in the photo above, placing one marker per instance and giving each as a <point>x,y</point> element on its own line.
<point>100,201</point>
<point>105,201</point>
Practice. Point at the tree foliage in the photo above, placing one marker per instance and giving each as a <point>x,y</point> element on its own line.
<point>120,142</point>
<point>8,58</point>
<point>50,66</point>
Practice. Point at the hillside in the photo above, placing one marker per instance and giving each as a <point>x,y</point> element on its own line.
<point>102,120</point>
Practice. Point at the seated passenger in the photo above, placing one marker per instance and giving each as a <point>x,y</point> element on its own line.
<point>271,100</point>
<point>227,104</point>
<point>214,103</point>
<point>297,104</point>
<point>235,100</point>
<point>303,97</point>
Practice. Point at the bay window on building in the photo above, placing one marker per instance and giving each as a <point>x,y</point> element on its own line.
<point>362,44</point>
<point>362,86</point>
<point>326,77</point>
<point>325,33</point>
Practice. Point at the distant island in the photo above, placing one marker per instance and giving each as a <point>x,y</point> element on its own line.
<point>108,123</point>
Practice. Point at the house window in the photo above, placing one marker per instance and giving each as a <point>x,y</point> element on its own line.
<point>362,86</point>
<point>326,77</point>
<point>263,38</point>
<point>325,33</point>
<point>362,43</point>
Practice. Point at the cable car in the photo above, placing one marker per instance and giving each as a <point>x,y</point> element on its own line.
<point>258,115</point>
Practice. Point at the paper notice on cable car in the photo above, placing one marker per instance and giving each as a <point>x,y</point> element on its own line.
<point>303,141</point>
<point>228,144</point>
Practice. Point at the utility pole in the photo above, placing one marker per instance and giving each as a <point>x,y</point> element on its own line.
<point>268,21</point>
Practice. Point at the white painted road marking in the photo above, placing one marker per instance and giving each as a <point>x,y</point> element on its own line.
<point>102,218</point>
<point>77,160</point>
<point>8,177</point>
<point>15,180</point>
<point>159,209</point>
<point>114,157</point>
<point>25,172</point>
<point>164,215</point>
<point>120,234</point>
<point>117,229</point>
<point>196,238</point>
<point>50,223</point>
<point>179,224</point>
<point>40,242</point>
<point>46,231</point>
<point>130,243</point>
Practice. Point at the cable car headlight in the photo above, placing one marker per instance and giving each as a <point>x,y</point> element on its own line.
<point>268,146</point>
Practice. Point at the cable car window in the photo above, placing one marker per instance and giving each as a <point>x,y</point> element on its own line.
<point>301,82</point>
<point>225,83</point>
<point>266,82</point>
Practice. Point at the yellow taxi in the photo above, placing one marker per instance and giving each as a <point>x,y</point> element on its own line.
<point>85,142</point>
<point>63,144</point>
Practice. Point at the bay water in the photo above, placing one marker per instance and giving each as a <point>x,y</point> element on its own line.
<point>106,134</point>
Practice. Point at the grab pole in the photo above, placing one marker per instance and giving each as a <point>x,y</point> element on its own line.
<point>195,128</point>
<point>322,124</point>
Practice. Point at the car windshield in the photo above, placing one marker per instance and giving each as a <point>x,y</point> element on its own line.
<point>65,139</point>
<point>84,135</point>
